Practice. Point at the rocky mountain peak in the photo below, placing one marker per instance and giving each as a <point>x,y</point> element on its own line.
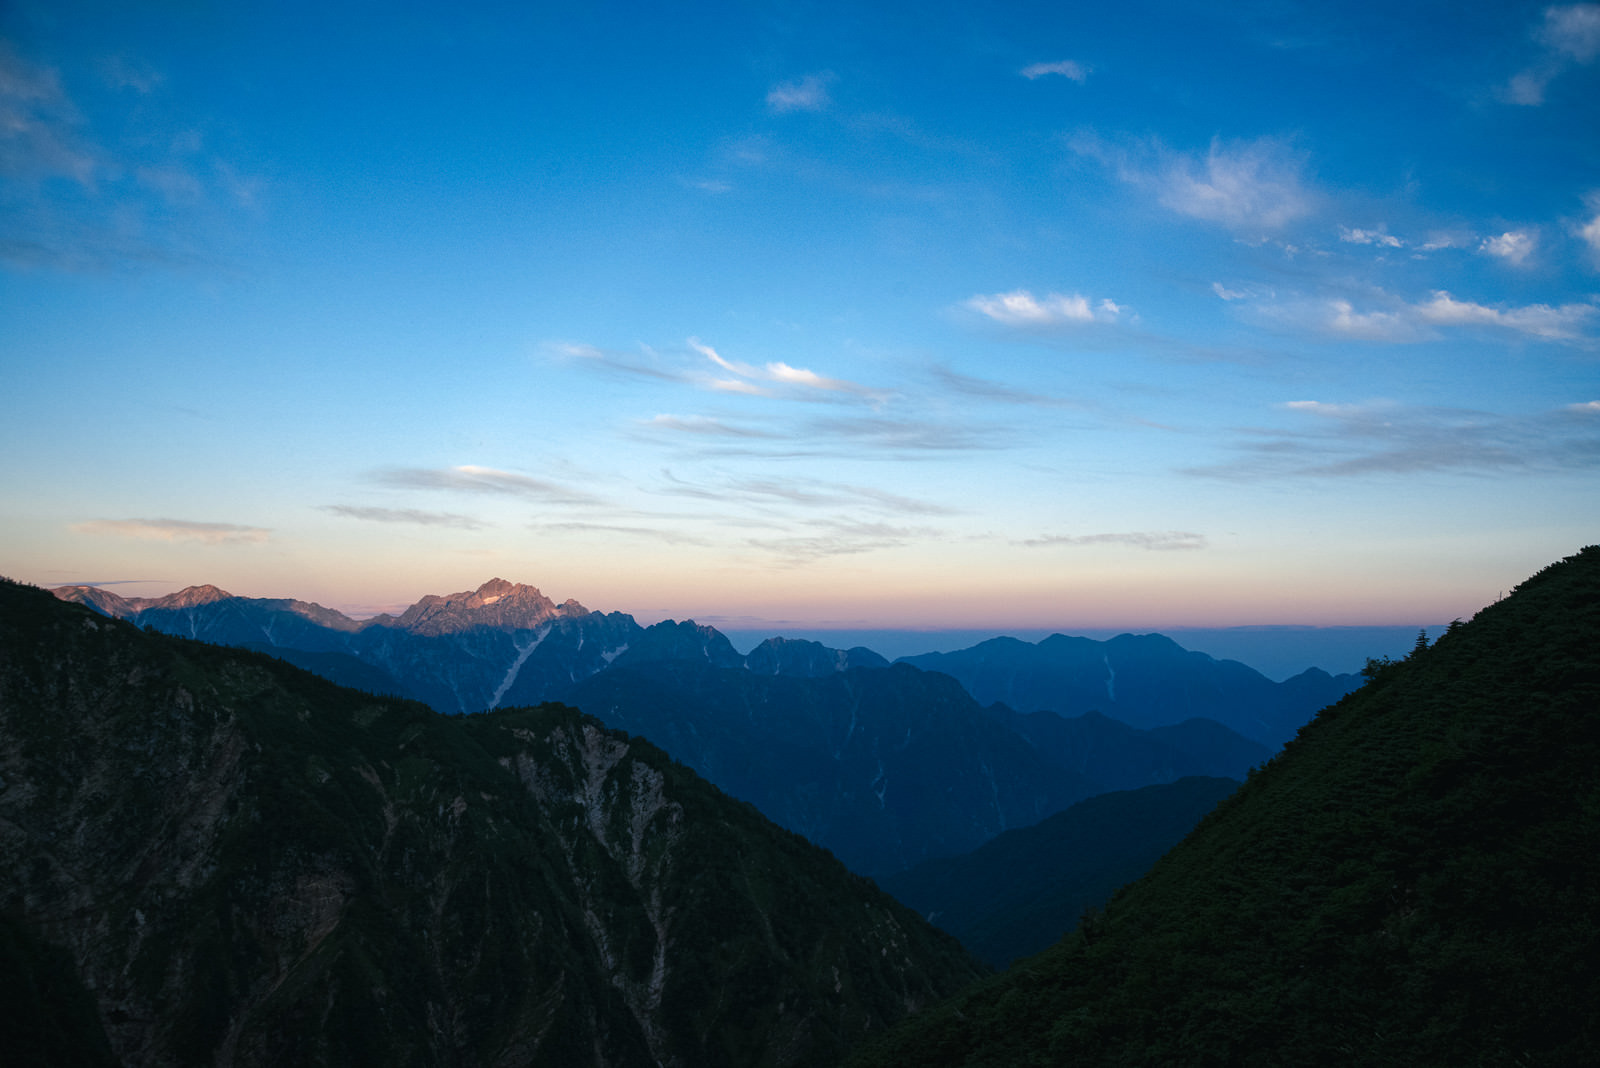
<point>496,603</point>
<point>190,596</point>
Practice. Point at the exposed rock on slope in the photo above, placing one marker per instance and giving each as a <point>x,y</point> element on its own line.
<point>244,864</point>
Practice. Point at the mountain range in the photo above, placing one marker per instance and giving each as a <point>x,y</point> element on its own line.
<point>213,857</point>
<point>884,765</point>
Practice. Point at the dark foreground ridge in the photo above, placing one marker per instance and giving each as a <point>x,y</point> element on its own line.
<point>210,857</point>
<point>1414,880</point>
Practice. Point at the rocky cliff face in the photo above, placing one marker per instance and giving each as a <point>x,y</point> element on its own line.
<point>245,864</point>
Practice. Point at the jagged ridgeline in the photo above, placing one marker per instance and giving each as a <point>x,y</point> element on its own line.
<point>210,857</point>
<point>1414,880</point>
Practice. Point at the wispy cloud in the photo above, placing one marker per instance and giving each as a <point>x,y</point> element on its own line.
<point>653,534</point>
<point>706,426</point>
<point>404,515</point>
<point>1568,36</point>
<point>838,537</point>
<point>1155,541</point>
<point>175,530</point>
<point>809,93</point>
<point>748,377</point>
<point>471,478</point>
<point>1396,320</point>
<point>75,201</point>
<point>1021,308</point>
<point>1249,187</point>
<point>996,391</point>
<point>1343,440</point>
<point>804,492</point>
<point>1066,68</point>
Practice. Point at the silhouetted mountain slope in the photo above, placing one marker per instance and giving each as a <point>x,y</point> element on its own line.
<point>1023,890</point>
<point>240,863</point>
<point>883,766</point>
<point>1414,880</point>
<point>1146,680</point>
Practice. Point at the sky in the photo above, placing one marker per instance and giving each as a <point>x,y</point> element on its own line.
<point>782,314</point>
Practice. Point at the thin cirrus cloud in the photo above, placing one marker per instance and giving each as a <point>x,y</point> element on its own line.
<point>1020,308</point>
<point>471,478</point>
<point>1569,36</point>
<point>1153,541</point>
<point>414,516</point>
<point>809,93</point>
<point>1401,322</point>
<point>1066,68</point>
<point>175,530</point>
<point>706,426</point>
<point>1245,186</point>
<point>808,493</point>
<point>1352,440</point>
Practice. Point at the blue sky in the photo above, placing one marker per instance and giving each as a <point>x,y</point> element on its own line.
<point>924,315</point>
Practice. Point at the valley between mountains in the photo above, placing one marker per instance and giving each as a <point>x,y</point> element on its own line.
<point>501,830</point>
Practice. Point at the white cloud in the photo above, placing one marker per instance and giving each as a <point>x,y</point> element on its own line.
<point>1399,321</point>
<point>1570,36</point>
<point>1228,294</point>
<point>1370,237</point>
<point>1513,246</point>
<point>1021,308</point>
<point>1590,231</point>
<point>1585,408</point>
<point>809,93</point>
<point>174,530</point>
<point>777,372</point>
<point>1067,68</point>
<point>1541,320</point>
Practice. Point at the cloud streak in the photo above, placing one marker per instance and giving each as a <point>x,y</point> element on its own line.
<point>174,530</point>
<point>404,515</point>
<point>1152,541</point>
<point>1020,308</point>
<point>471,478</point>
<point>1066,68</point>
<point>1351,440</point>
<point>1400,322</point>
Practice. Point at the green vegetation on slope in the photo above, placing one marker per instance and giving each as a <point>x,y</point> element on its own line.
<point>1414,880</point>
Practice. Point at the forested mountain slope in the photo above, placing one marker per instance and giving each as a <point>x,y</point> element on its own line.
<point>1414,880</point>
<point>210,857</point>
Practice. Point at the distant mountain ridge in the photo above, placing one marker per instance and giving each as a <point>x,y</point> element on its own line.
<point>1413,880</point>
<point>887,766</point>
<point>1146,680</point>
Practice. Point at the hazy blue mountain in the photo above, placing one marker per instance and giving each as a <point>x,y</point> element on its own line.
<point>213,857</point>
<point>1145,680</point>
<point>1026,888</point>
<point>1126,758</point>
<point>883,766</point>
<point>1415,879</point>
